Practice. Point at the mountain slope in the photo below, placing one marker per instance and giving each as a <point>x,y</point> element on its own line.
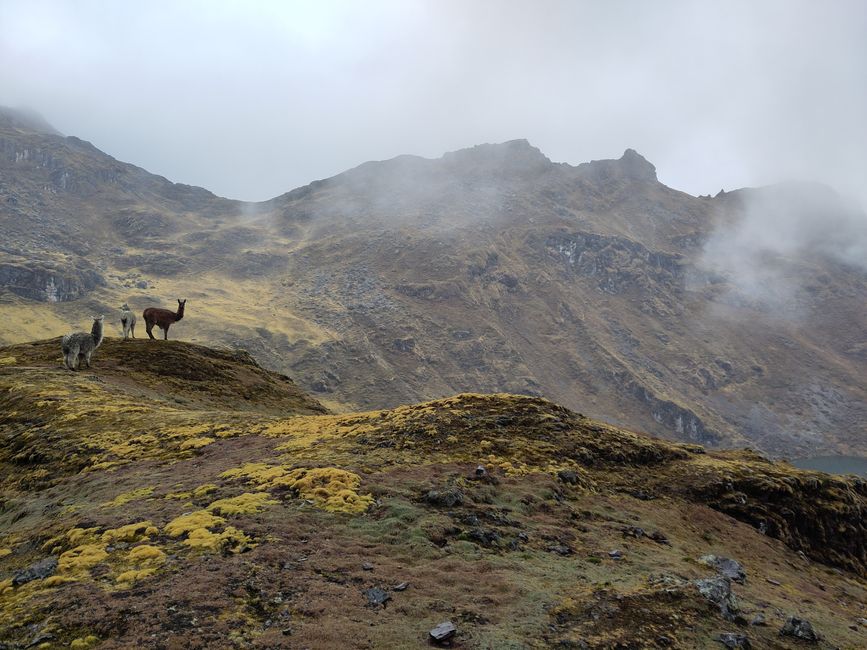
<point>489,269</point>
<point>177,495</point>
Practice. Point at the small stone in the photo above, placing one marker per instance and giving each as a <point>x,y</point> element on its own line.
<point>759,620</point>
<point>718,590</point>
<point>482,537</point>
<point>861,621</point>
<point>659,537</point>
<point>367,566</point>
<point>376,596</point>
<point>443,632</point>
<point>664,641</point>
<point>568,476</point>
<point>480,471</point>
<point>799,628</point>
<point>286,631</point>
<point>42,637</point>
<point>733,640</point>
<point>447,498</point>
<point>401,587</point>
<point>615,554</point>
<point>471,520</point>
<point>37,571</point>
<point>633,531</point>
<point>726,567</point>
<point>560,549</point>
<point>141,284</point>
<point>776,583</point>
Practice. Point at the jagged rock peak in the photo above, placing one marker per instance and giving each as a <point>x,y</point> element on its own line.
<point>637,166</point>
<point>26,119</point>
<point>630,166</point>
<point>513,155</point>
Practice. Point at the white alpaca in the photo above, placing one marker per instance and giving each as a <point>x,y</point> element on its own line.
<point>127,319</point>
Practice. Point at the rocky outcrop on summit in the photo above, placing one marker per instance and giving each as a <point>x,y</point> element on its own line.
<point>631,166</point>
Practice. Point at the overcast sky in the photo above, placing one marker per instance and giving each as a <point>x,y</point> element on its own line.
<point>251,99</point>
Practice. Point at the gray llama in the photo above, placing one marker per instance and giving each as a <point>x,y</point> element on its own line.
<point>127,319</point>
<point>81,344</point>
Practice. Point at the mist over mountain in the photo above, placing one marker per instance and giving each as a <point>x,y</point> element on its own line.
<point>433,323</point>
<point>730,320</point>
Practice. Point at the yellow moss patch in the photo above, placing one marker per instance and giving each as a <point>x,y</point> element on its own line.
<point>56,581</point>
<point>202,490</point>
<point>72,537</point>
<point>146,555</point>
<point>82,643</point>
<point>243,504</point>
<point>5,551</point>
<point>330,488</point>
<point>78,535</point>
<point>179,495</point>
<point>126,497</point>
<point>256,473</point>
<point>7,361</point>
<point>81,558</point>
<point>195,443</point>
<point>130,532</point>
<point>231,538</point>
<point>192,521</point>
<point>189,430</point>
<point>127,578</point>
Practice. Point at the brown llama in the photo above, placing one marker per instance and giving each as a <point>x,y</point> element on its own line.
<point>162,318</point>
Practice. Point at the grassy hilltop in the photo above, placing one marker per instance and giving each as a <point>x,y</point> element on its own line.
<point>180,496</point>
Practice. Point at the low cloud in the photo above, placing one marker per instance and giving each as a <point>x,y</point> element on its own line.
<point>764,253</point>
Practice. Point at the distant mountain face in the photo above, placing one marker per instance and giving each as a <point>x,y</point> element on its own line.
<point>489,269</point>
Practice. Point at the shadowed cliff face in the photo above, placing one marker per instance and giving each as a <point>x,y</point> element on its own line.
<point>489,269</point>
<point>175,493</point>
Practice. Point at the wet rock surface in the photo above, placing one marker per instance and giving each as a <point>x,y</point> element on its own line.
<point>799,628</point>
<point>376,596</point>
<point>443,632</point>
<point>445,498</point>
<point>735,640</point>
<point>726,567</point>
<point>718,591</point>
<point>38,571</point>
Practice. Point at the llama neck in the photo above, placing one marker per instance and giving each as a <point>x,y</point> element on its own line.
<point>96,333</point>
<point>180,313</point>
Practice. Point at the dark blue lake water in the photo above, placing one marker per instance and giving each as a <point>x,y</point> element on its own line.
<point>834,464</point>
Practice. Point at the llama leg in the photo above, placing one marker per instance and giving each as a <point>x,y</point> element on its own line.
<point>166,333</point>
<point>73,356</point>
<point>149,326</point>
<point>67,361</point>
<point>87,358</point>
<point>132,330</point>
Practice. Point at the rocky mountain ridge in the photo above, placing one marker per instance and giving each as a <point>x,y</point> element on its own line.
<point>489,269</point>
